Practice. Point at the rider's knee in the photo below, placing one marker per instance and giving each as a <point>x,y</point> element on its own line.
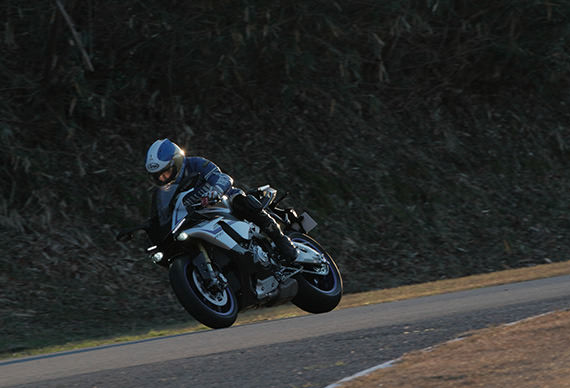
<point>246,205</point>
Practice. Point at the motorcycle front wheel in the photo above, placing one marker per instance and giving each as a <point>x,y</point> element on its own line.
<point>317,293</point>
<point>213,308</point>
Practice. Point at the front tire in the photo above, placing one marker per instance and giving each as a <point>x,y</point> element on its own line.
<point>213,309</point>
<point>317,293</point>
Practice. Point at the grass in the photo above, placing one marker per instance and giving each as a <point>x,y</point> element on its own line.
<point>349,300</point>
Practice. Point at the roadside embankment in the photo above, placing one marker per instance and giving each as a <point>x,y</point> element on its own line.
<point>529,353</point>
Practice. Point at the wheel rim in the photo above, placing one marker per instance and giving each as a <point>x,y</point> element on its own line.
<point>219,299</point>
<point>328,283</point>
<point>222,307</point>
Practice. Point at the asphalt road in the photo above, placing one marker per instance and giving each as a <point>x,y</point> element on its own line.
<point>308,351</point>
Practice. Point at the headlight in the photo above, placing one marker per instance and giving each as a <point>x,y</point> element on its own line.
<point>182,236</point>
<point>156,257</point>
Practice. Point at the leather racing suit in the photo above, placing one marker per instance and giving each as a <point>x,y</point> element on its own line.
<point>206,176</point>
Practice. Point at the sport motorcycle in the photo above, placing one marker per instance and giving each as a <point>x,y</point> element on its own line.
<point>219,264</point>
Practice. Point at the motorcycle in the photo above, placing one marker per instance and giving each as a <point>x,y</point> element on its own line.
<point>220,265</point>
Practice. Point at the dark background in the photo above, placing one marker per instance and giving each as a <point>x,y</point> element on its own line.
<point>430,139</point>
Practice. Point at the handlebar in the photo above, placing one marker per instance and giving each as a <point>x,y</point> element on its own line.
<point>204,202</point>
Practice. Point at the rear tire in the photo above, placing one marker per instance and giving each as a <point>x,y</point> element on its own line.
<point>317,294</point>
<point>215,310</point>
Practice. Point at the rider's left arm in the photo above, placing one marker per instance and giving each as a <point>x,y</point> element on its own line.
<point>215,177</point>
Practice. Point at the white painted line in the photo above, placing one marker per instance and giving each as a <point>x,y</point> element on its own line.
<point>365,372</point>
<point>530,318</point>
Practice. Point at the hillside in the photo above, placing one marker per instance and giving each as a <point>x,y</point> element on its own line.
<point>428,139</point>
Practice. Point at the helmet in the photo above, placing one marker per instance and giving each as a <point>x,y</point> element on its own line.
<point>164,161</point>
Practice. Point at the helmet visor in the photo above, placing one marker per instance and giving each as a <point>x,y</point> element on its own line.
<point>163,177</point>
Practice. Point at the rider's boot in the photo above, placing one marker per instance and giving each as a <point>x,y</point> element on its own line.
<point>287,250</point>
<point>250,208</point>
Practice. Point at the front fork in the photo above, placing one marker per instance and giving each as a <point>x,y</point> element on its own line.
<point>203,263</point>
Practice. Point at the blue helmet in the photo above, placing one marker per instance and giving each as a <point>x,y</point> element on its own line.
<point>164,161</point>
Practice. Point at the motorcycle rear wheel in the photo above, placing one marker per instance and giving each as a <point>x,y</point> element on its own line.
<point>213,309</point>
<point>317,293</point>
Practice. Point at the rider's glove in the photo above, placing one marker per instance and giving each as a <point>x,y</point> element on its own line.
<point>214,194</point>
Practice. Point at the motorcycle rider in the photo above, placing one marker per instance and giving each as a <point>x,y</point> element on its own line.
<point>173,172</point>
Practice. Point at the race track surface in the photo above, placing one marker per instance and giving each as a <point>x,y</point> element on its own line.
<point>308,351</point>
